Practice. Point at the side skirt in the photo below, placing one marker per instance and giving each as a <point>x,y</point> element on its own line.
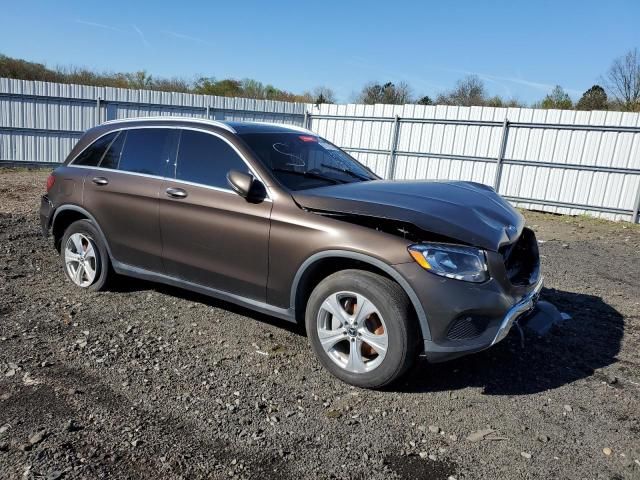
<point>130,271</point>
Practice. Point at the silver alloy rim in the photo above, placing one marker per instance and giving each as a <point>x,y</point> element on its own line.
<point>81,259</point>
<point>352,332</point>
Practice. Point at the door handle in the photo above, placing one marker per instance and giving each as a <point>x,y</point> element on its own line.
<point>100,180</point>
<point>176,192</point>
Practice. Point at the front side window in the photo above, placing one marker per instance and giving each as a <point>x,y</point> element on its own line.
<point>301,161</point>
<point>92,155</point>
<point>206,159</point>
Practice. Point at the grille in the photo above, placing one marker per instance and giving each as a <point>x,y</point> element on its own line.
<point>467,327</point>
<point>521,259</point>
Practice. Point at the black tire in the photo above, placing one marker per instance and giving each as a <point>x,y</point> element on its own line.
<point>400,325</point>
<point>102,262</point>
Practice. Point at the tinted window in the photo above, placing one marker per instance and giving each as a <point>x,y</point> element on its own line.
<point>112,156</point>
<point>148,150</point>
<point>206,159</point>
<point>92,155</point>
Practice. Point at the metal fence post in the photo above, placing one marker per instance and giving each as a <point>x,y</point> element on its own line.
<point>391,170</point>
<point>208,112</point>
<point>636,209</point>
<point>306,123</point>
<point>98,108</point>
<point>500,158</point>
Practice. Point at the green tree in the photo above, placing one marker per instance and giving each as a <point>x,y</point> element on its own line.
<point>140,79</point>
<point>224,88</point>
<point>426,100</point>
<point>593,99</point>
<point>558,98</point>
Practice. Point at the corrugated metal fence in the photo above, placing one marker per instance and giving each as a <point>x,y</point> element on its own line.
<point>555,160</point>
<point>41,121</point>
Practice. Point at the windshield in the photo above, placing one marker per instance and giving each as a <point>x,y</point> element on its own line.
<point>301,161</point>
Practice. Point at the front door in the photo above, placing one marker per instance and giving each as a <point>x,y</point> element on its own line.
<point>211,236</point>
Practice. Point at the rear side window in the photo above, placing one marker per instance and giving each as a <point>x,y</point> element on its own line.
<point>148,150</point>
<point>206,159</point>
<point>92,155</point>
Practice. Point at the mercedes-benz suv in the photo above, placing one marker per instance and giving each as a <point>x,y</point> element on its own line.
<point>279,220</point>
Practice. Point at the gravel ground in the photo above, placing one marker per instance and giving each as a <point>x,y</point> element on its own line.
<point>148,381</point>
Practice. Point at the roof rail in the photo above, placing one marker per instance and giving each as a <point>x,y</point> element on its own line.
<point>283,125</point>
<point>170,118</point>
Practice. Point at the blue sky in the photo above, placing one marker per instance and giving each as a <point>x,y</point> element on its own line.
<point>520,48</point>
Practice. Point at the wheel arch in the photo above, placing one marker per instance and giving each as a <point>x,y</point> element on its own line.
<point>322,264</point>
<point>65,215</point>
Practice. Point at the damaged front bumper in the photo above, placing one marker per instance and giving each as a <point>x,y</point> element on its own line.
<point>526,306</point>
<point>465,318</point>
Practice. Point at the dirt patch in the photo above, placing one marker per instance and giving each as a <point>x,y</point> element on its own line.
<point>148,381</point>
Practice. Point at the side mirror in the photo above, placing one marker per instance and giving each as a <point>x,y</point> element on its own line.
<point>241,183</point>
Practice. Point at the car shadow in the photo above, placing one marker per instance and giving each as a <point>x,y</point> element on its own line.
<point>130,284</point>
<point>572,350</point>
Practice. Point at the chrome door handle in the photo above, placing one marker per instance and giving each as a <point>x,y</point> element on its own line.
<point>176,192</point>
<point>100,180</point>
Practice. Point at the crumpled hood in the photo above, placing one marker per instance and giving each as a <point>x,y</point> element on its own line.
<point>465,211</point>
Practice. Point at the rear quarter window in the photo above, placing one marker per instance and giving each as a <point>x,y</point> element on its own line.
<point>92,155</point>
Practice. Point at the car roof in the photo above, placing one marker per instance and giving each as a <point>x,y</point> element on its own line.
<point>233,127</point>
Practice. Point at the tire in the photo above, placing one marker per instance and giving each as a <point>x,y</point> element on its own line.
<point>82,248</point>
<point>346,332</point>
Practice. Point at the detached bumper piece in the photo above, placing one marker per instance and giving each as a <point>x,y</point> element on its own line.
<point>524,306</point>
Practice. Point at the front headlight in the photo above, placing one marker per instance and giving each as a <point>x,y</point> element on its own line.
<point>452,261</point>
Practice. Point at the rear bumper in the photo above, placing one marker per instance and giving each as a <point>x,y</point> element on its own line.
<point>46,211</point>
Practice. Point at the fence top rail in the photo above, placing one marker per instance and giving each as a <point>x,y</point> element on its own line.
<point>482,123</point>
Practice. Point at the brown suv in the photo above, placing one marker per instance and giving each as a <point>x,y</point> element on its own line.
<point>282,221</point>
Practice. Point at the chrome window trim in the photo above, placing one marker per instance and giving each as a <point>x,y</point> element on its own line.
<point>157,177</point>
<point>173,127</point>
<point>101,169</point>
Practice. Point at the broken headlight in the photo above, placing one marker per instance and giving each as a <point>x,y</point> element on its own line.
<point>451,261</point>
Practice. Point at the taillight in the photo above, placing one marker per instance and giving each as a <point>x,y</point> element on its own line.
<point>51,179</point>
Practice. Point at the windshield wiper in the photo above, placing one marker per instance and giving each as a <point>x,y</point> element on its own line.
<point>345,170</point>
<point>335,181</point>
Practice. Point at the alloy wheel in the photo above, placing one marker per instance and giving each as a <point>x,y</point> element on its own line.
<point>352,332</point>
<point>81,259</point>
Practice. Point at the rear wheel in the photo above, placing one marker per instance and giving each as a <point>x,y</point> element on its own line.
<point>361,327</point>
<point>85,258</point>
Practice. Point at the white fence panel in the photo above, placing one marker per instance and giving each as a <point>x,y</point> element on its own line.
<point>556,160</point>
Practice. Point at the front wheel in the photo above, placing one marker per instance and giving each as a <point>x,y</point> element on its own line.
<point>361,327</point>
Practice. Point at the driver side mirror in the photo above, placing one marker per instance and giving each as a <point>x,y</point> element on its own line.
<point>246,186</point>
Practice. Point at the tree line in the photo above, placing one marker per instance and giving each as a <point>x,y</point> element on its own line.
<point>618,89</point>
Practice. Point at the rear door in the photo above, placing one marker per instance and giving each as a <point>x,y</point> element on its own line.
<point>122,194</point>
<point>211,236</point>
